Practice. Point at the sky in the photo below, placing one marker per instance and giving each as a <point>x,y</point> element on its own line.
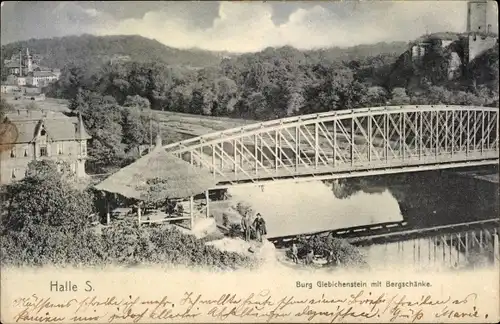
<point>238,26</point>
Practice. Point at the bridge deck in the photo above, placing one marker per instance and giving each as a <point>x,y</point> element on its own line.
<point>364,168</point>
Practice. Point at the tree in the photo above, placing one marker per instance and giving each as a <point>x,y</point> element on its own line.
<point>295,103</point>
<point>45,197</point>
<point>103,120</point>
<point>137,101</point>
<point>79,102</point>
<point>197,102</point>
<point>134,131</point>
<point>439,95</point>
<point>376,96</point>
<point>257,106</point>
<point>399,97</point>
<point>5,108</point>
<point>226,90</point>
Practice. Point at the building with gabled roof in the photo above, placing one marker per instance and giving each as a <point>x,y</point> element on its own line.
<point>42,135</point>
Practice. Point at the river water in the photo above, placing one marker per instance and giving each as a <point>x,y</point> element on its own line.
<point>422,199</point>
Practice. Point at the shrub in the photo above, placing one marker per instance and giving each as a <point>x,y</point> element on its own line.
<point>234,230</point>
<point>346,254</point>
<point>124,243</point>
<point>45,197</point>
<point>243,208</point>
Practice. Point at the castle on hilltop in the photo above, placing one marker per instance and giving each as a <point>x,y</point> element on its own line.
<point>480,35</point>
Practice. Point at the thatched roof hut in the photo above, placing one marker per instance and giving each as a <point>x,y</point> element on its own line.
<point>158,175</point>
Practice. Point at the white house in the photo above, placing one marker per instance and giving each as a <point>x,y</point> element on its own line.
<point>41,78</point>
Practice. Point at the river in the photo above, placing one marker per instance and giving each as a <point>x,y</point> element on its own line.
<point>422,199</point>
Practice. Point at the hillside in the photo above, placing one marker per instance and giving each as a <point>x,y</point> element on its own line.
<point>89,50</point>
<point>85,49</point>
<point>359,51</point>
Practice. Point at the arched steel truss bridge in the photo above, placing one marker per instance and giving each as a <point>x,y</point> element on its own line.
<point>348,143</point>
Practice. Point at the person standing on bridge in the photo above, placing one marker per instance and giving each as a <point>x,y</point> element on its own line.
<point>260,227</point>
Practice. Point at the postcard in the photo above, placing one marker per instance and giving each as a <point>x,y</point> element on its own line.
<point>249,162</point>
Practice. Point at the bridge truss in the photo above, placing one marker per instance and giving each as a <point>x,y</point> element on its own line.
<point>348,143</point>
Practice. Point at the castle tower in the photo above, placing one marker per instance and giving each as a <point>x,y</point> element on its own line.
<point>477,18</point>
<point>479,27</point>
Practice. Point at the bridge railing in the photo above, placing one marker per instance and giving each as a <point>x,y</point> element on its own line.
<point>390,137</point>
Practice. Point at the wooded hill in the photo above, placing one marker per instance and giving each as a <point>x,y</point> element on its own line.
<point>85,49</point>
<point>90,50</point>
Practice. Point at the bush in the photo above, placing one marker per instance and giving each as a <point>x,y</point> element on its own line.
<point>45,245</point>
<point>45,197</point>
<point>234,230</point>
<point>346,254</point>
<point>243,208</point>
<point>124,243</point>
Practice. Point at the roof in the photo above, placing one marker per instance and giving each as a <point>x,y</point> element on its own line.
<point>58,126</point>
<point>13,65</point>
<point>43,74</point>
<point>41,68</point>
<point>178,178</point>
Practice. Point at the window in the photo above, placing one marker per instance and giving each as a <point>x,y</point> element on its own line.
<point>59,148</point>
<point>14,171</point>
<point>25,152</point>
<point>13,152</point>
<point>43,151</point>
<point>43,132</point>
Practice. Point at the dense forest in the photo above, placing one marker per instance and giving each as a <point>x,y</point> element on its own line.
<point>89,50</point>
<point>279,82</point>
<point>115,97</point>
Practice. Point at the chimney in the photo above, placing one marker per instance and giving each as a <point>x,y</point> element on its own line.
<point>20,64</point>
